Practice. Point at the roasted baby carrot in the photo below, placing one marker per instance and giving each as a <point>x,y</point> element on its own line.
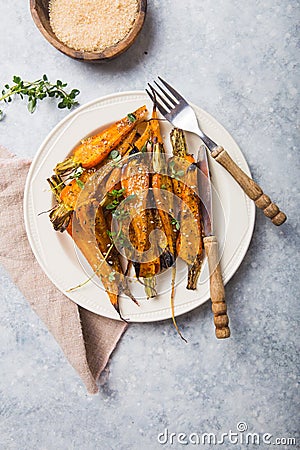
<point>135,180</point>
<point>93,150</point>
<point>69,193</point>
<point>185,187</point>
<point>92,239</point>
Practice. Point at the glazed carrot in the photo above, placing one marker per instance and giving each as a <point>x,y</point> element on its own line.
<point>155,127</point>
<point>70,192</point>
<point>93,150</point>
<point>190,228</point>
<point>114,178</point>
<point>94,222</point>
<point>96,260</point>
<point>96,251</point>
<point>152,266</point>
<point>162,186</point>
<point>60,215</point>
<point>127,143</point>
<point>66,196</point>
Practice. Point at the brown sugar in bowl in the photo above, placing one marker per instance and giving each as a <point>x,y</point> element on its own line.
<point>40,14</point>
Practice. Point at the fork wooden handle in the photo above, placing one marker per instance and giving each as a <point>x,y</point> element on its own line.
<point>249,186</point>
<point>217,291</point>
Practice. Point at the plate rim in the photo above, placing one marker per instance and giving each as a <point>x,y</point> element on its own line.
<point>153,315</point>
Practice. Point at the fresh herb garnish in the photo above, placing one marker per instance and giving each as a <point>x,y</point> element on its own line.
<point>38,90</point>
<point>176,223</point>
<point>131,117</point>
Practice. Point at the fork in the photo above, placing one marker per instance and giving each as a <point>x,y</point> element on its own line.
<point>177,111</point>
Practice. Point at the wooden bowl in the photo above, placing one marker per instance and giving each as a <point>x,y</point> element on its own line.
<point>40,14</point>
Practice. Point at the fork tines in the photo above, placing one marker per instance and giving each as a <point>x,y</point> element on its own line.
<point>166,99</point>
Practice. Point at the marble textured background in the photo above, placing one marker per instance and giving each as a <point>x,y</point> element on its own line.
<point>239,61</point>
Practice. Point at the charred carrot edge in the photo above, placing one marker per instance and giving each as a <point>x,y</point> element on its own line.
<point>92,151</point>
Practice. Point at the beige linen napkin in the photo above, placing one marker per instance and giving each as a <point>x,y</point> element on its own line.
<point>86,338</point>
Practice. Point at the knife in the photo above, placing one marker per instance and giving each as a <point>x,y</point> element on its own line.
<point>217,291</point>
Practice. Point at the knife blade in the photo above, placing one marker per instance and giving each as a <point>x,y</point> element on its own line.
<point>217,291</point>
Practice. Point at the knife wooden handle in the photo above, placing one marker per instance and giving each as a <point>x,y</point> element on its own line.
<point>217,291</point>
<point>249,186</point>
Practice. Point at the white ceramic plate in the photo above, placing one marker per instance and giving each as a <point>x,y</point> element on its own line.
<point>234,214</point>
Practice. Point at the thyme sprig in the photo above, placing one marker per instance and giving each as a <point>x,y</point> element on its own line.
<point>36,91</point>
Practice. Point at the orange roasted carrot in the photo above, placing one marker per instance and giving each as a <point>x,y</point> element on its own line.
<point>163,194</point>
<point>144,138</point>
<point>135,179</point>
<point>162,187</point>
<point>97,262</point>
<point>93,150</point>
<point>114,178</point>
<point>155,127</point>
<point>164,197</point>
<point>70,193</point>
<point>190,226</point>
